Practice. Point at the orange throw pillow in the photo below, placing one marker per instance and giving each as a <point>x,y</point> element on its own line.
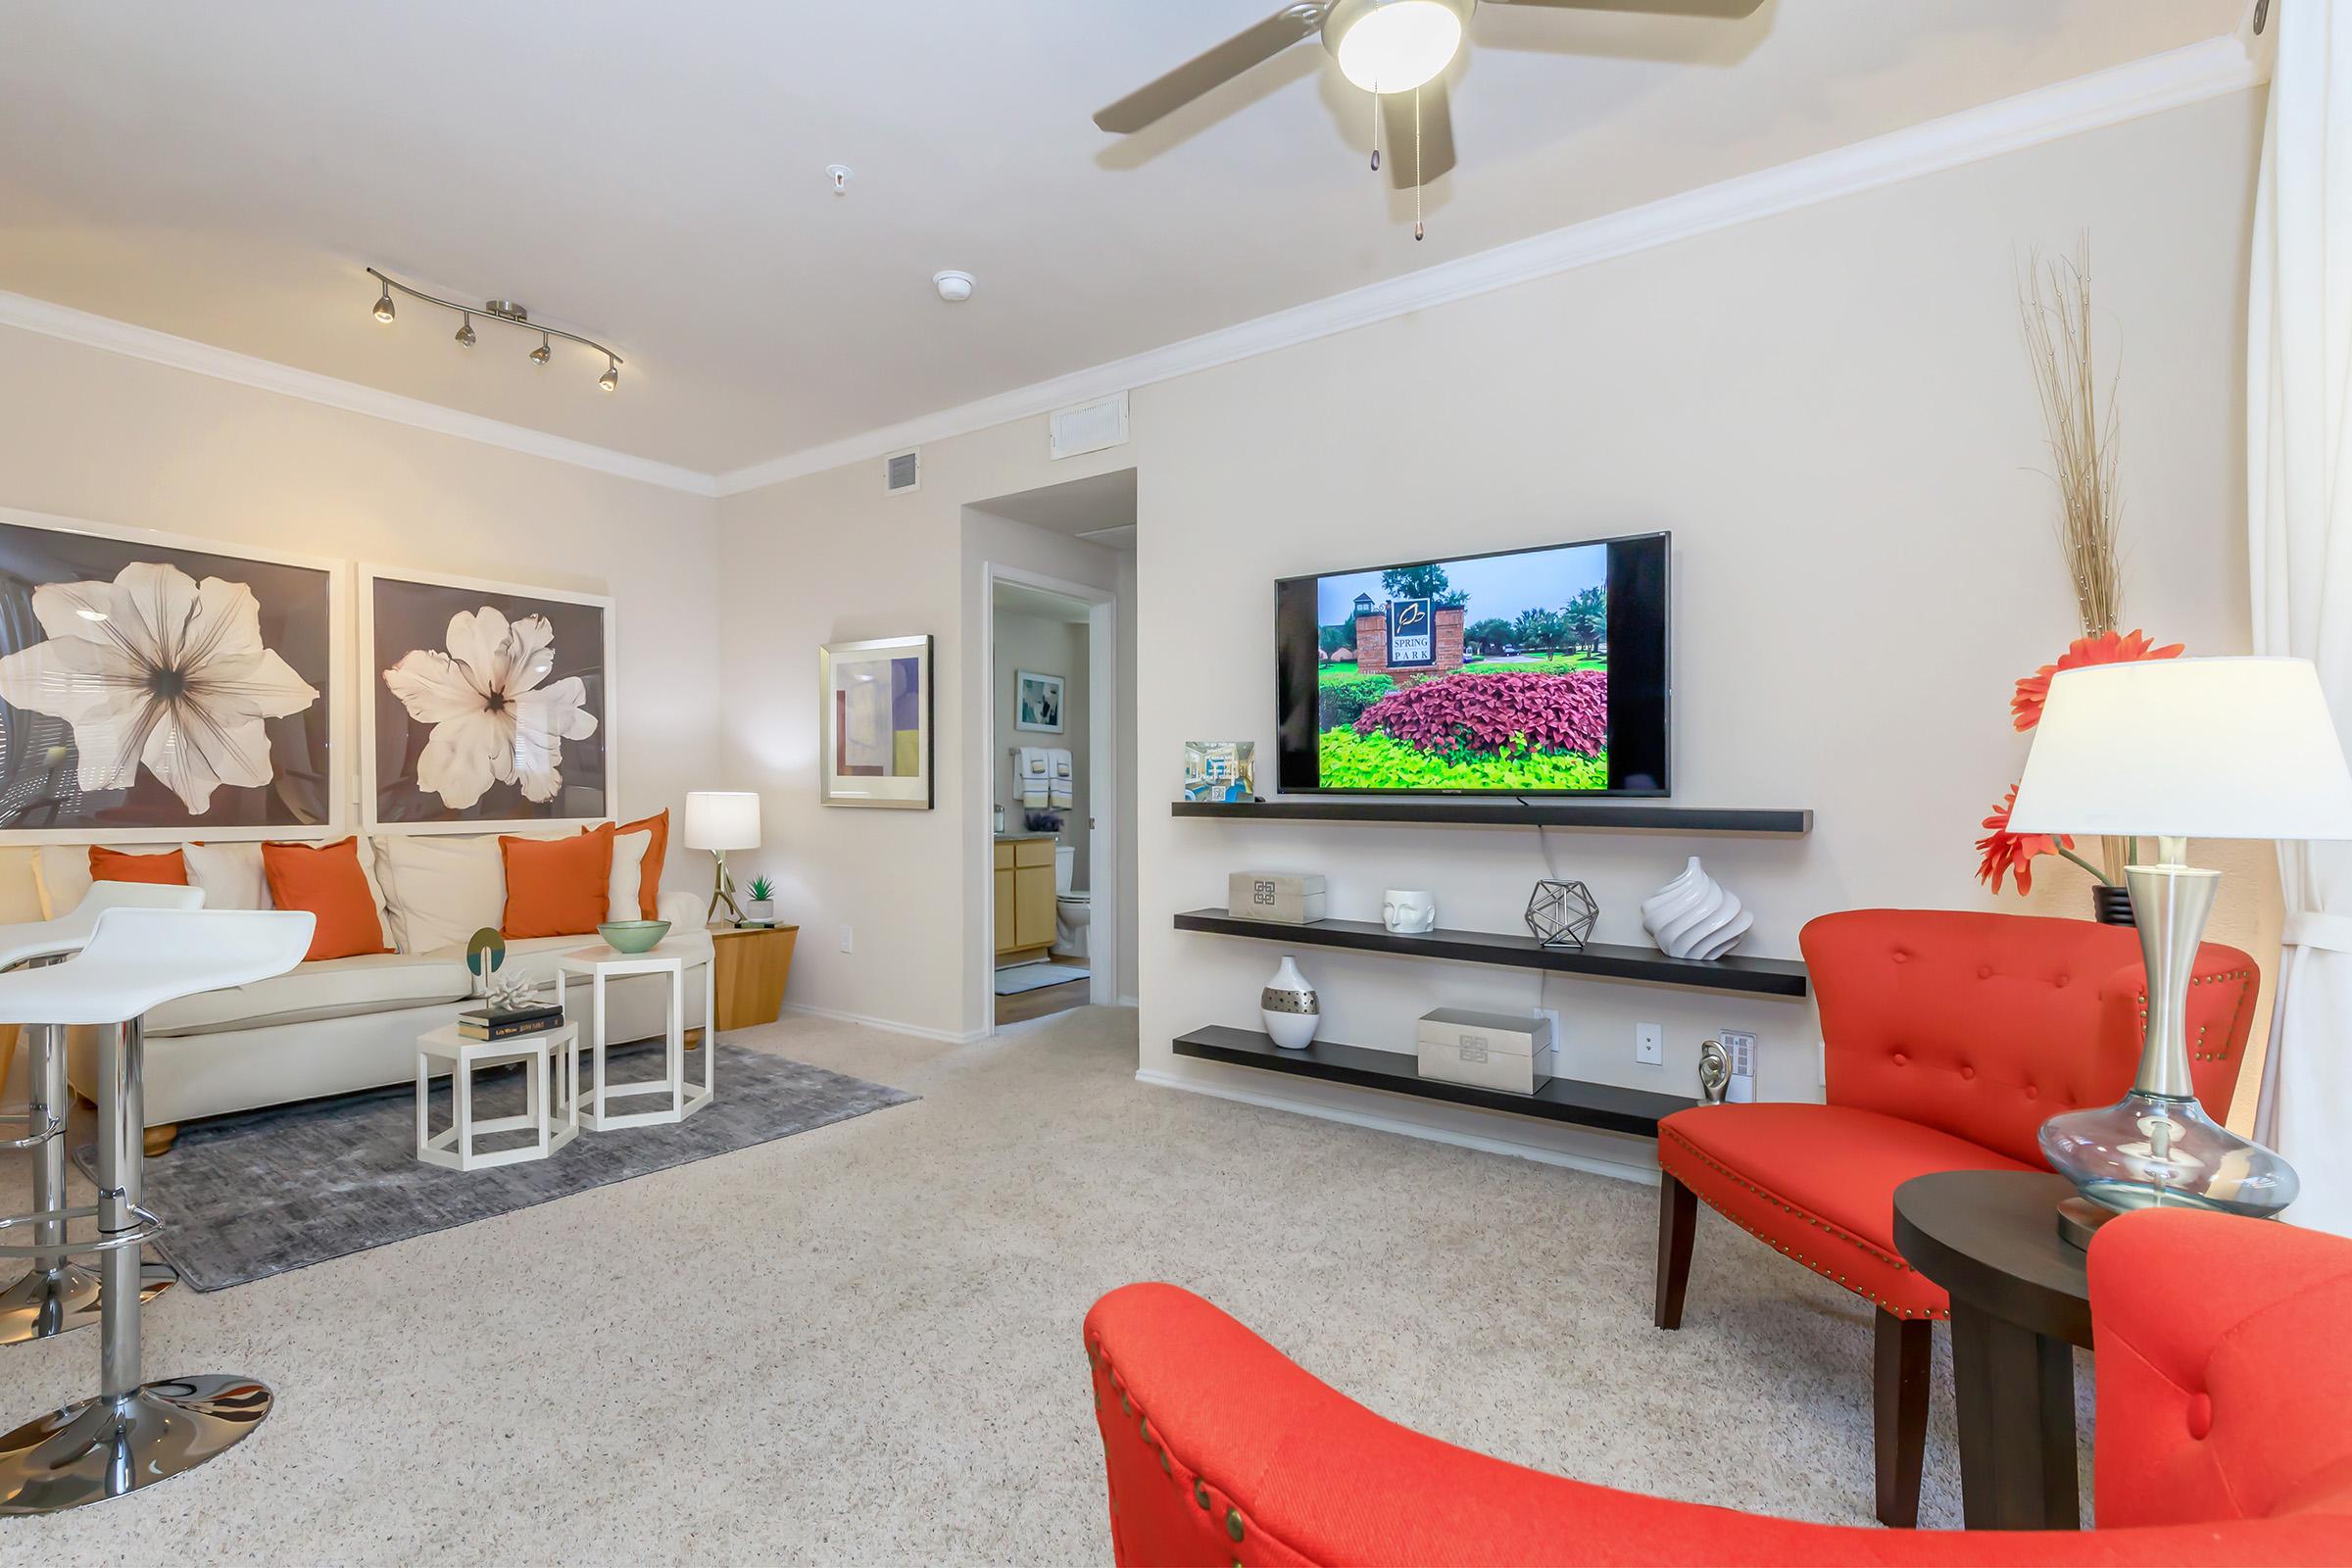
<point>327,880</point>
<point>555,887</point>
<point>169,868</point>
<point>648,877</point>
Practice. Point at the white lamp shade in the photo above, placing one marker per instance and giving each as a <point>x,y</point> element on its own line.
<point>2188,748</point>
<point>722,820</point>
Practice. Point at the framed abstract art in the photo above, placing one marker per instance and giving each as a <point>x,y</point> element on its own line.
<point>486,706</point>
<point>875,723</point>
<point>1037,701</point>
<point>156,687</point>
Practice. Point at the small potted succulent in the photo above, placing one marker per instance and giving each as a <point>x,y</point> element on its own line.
<point>762,911</point>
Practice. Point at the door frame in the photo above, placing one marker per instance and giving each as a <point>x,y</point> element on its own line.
<point>1102,789</point>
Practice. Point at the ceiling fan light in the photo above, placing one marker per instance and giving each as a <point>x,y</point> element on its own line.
<point>1396,45</point>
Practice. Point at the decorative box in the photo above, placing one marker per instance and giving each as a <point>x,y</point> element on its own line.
<point>1275,896</point>
<point>1492,1049</point>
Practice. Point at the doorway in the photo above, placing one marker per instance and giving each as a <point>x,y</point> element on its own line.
<point>1053,769</point>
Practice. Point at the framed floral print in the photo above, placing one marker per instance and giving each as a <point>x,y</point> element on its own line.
<point>156,687</point>
<point>486,706</point>
<point>874,723</point>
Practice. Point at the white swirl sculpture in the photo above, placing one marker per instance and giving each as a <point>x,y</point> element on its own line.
<point>1692,916</point>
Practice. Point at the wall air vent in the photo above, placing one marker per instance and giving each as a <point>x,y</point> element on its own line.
<point>902,471</point>
<point>1089,426</point>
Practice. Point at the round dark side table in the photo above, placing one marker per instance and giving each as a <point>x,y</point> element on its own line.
<point>2021,1303</point>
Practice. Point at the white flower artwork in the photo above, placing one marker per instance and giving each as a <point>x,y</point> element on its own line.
<point>492,719</point>
<point>156,669</point>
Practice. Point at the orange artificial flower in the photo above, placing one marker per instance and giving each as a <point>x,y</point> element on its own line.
<point>2010,853</point>
<point>2114,648</point>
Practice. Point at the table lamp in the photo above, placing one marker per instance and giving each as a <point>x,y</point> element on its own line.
<point>720,820</point>
<point>2176,748</point>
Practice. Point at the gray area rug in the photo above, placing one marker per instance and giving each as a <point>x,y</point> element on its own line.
<point>251,1195</point>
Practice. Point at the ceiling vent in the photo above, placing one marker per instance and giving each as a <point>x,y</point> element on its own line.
<point>1090,427</point>
<point>903,471</point>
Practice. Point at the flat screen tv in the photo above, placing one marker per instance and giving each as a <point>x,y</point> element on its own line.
<point>1523,672</point>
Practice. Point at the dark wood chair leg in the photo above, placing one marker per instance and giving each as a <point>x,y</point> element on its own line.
<point>1678,1222</point>
<point>161,1138</point>
<point>1899,1396</point>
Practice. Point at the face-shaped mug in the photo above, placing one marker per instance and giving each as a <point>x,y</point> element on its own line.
<point>1407,912</point>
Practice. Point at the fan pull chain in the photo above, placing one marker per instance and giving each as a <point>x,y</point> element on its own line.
<point>1418,178</point>
<point>1375,130</point>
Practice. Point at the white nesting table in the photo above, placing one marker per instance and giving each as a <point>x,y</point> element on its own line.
<point>601,965</point>
<point>550,1097</point>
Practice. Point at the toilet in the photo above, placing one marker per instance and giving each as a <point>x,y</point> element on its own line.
<point>1071,909</point>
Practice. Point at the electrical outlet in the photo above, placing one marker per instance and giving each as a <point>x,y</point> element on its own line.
<point>1649,1044</point>
<point>846,944</point>
<point>1740,1053</point>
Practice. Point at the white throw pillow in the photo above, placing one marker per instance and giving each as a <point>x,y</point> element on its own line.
<point>230,875</point>
<point>440,890</point>
<point>628,875</point>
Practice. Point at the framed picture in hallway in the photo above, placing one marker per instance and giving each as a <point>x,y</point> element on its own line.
<point>486,706</point>
<point>1036,702</point>
<point>156,687</point>
<point>874,723</point>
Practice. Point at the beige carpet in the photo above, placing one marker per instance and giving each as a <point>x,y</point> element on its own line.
<point>860,1344</point>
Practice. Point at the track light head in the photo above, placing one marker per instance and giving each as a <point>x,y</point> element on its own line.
<point>611,380</point>
<point>466,337</point>
<point>383,304</point>
<point>539,355</point>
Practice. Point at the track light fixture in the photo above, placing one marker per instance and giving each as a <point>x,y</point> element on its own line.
<point>506,311</point>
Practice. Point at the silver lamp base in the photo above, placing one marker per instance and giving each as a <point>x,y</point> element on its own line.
<point>107,1446</point>
<point>59,1301</point>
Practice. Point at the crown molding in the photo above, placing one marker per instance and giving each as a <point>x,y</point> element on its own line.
<point>225,365</point>
<point>2175,78</point>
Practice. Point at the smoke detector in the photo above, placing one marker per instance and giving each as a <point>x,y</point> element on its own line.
<point>953,287</point>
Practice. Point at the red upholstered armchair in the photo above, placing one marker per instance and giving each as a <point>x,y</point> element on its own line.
<point>1950,1038</point>
<point>2222,1437</point>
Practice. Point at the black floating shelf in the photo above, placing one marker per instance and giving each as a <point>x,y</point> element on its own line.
<point>1597,960</point>
<point>1564,1100</point>
<point>1596,816</point>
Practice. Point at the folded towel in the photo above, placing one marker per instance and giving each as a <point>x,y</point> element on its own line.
<point>1065,777</point>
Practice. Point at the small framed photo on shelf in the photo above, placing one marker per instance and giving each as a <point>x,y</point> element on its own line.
<point>1036,702</point>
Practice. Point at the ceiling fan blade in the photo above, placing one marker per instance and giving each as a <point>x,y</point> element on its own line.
<point>1661,8</point>
<point>1219,65</point>
<point>1437,136</point>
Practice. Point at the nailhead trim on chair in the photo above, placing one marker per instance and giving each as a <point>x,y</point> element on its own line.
<point>1237,1525</point>
<point>1822,1269</point>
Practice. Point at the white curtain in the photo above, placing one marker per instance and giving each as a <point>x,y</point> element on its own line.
<point>2299,517</point>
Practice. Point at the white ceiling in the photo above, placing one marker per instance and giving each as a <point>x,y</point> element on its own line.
<point>654,175</point>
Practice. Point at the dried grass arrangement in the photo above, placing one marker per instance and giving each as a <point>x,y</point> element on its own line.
<point>2055,303</point>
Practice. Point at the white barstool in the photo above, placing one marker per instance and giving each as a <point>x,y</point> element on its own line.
<point>61,1294</point>
<point>133,1434</point>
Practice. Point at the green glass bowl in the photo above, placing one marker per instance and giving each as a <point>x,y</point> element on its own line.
<point>633,936</point>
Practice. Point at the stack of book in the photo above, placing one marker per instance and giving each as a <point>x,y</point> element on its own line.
<point>505,1023</point>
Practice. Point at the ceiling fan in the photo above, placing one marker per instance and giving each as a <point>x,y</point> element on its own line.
<point>1387,47</point>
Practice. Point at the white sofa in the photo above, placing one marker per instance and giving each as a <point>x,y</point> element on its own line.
<point>339,1025</point>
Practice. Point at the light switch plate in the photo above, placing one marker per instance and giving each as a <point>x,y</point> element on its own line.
<point>845,939</point>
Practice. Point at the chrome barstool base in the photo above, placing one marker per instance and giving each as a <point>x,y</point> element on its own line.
<point>52,1302</point>
<point>104,1447</point>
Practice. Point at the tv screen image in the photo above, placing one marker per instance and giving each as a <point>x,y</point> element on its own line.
<point>1524,672</point>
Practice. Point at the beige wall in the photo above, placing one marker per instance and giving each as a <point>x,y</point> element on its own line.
<point>1045,647</point>
<point>1830,411</point>
<point>98,436</point>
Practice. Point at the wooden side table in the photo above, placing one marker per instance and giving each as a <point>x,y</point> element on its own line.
<point>2021,1303</point>
<point>750,965</point>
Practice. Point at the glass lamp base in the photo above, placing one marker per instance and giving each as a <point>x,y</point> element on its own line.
<point>2162,1152</point>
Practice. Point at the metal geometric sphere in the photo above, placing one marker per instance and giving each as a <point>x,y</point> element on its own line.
<point>1562,914</point>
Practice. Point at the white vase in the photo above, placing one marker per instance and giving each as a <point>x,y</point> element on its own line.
<point>1693,916</point>
<point>1289,1006</point>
